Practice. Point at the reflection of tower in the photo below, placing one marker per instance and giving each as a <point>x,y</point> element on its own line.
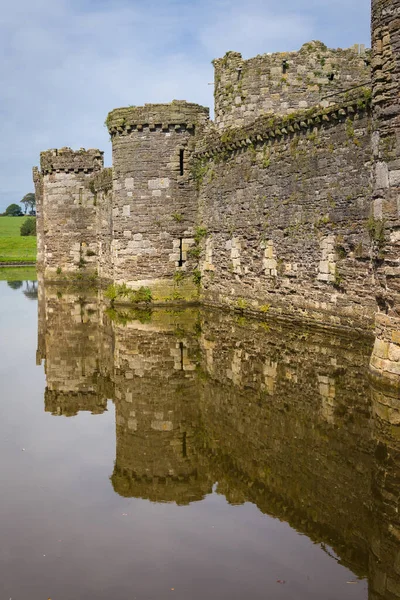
<point>69,341</point>
<point>385,540</point>
<point>157,412</point>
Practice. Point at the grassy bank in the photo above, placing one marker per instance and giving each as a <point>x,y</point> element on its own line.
<point>15,248</point>
<point>18,274</point>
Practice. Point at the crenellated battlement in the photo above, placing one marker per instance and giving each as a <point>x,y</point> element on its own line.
<point>269,129</point>
<point>178,114</point>
<point>67,160</point>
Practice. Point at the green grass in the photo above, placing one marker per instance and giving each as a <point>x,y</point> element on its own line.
<point>15,248</point>
<point>18,274</point>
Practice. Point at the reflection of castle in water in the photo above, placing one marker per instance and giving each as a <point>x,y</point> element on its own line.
<point>283,418</point>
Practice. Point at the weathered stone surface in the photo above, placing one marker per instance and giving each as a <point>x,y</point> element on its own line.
<point>284,82</point>
<point>386,124</point>
<point>288,223</point>
<point>67,212</point>
<point>288,202</point>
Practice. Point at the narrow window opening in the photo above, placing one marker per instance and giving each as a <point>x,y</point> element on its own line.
<point>80,195</point>
<point>181,164</point>
<point>285,66</point>
<point>239,73</point>
<point>181,261</point>
<point>184,447</point>
<point>181,349</point>
<point>331,76</point>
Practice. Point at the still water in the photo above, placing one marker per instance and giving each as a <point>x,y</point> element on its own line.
<point>187,454</point>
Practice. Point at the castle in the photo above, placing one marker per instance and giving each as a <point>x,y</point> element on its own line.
<point>288,203</point>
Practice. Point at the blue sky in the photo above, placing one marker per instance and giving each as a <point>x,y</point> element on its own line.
<point>67,63</point>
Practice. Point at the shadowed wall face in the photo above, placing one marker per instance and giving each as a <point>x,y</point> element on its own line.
<point>386,177</point>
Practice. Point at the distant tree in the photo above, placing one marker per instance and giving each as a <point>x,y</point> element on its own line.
<point>29,202</point>
<point>28,227</point>
<point>31,290</point>
<point>13,211</point>
<point>15,285</point>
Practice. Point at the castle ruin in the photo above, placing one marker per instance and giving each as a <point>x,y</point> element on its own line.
<point>288,203</point>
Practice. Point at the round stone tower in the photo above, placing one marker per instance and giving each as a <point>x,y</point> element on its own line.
<point>154,200</point>
<point>66,211</point>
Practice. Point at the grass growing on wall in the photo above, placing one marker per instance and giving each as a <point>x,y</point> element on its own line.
<point>15,248</point>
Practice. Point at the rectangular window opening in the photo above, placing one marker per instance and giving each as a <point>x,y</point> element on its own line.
<point>181,163</point>
<point>181,261</point>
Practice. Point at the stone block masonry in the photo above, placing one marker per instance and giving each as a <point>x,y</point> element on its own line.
<point>285,82</point>
<point>286,215</point>
<point>386,182</point>
<point>67,232</point>
<point>288,203</point>
<point>154,200</point>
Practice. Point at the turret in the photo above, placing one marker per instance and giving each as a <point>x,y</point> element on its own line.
<point>154,201</point>
<point>385,215</point>
<point>67,239</point>
<point>285,82</point>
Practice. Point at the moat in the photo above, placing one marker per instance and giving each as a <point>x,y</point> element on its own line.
<point>190,454</point>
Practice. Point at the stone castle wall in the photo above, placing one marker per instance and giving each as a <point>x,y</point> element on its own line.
<point>285,206</point>
<point>288,202</point>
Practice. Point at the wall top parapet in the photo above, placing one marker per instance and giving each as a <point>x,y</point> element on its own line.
<point>68,160</point>
<point>272,127</point>
<point>178,113</point>
<point>309,48</point>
